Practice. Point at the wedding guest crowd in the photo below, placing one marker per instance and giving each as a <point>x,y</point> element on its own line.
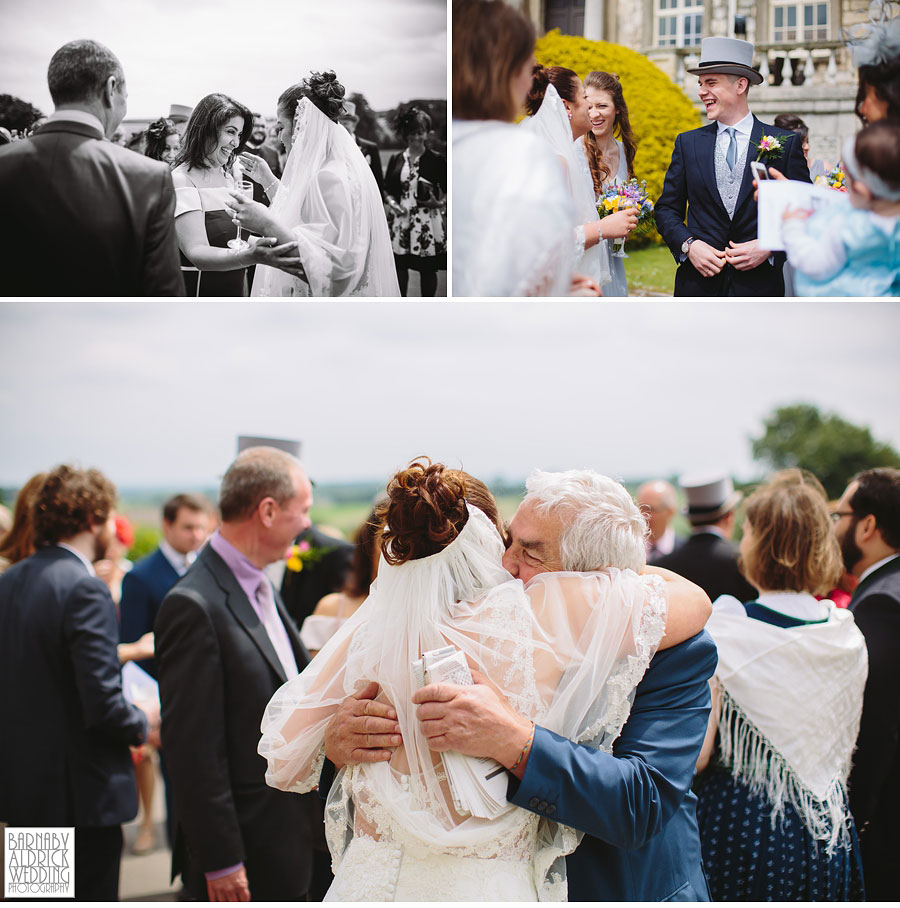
<point>797,783</point>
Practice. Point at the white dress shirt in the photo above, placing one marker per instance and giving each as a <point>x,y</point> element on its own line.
<point>742,130</point>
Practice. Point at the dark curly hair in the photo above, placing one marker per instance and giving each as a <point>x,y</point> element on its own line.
<point>69,502</point>
<point>156,134</point>
<point>410,120</point>
<point>565,81</point>
<point>426,509</point>
<point>207,121</point>
<point>323,89</point>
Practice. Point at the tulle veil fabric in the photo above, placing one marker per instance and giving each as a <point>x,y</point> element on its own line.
<point>567,653</point>
<point>331,201</point>
<point>551,122</point>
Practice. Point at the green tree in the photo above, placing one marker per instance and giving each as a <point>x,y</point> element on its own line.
<point>827,445</point>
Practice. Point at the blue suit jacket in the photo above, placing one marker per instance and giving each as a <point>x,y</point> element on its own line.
<point>691,184</point>
<point>143,589</point>
<point>636,804</point>
<point>65,725</point>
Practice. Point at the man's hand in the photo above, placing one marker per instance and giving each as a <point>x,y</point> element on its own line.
<point>476,720</point>
<point>150,708</point>
<point>706,259</point>
<point>362,730</point>
<point>230,888</point>
<point>745,256</point>
<point>775,174</point>
<point>284,257</point>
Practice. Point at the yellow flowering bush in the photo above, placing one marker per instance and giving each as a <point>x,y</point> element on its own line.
<point>658,109</point>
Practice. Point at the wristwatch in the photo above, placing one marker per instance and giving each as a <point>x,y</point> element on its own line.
<point>686,245</point>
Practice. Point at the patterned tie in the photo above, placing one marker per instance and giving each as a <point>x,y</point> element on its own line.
<point>731,154</point>
<point>275,629</point>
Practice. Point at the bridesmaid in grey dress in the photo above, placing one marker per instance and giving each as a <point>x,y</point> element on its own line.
<point>610,160</point>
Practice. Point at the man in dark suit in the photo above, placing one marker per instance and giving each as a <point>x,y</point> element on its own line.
<point>868,529</point>
<point>302,590</point>
<point>635,804</point>
<point>709,558</point>
<point>224,645</point>
<point>710,176</point>
<point>349,119</point>
<point>659,505</point>
<point>103,215</point>
<point>66,726</point>
<point>186,523</point>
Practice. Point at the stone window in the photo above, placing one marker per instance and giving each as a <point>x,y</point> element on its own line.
<point>679,23</point>
<point>798,22</point>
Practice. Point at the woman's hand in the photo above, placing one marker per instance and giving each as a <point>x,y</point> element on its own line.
<point>395,206</point>
<point>620,224</point>
<point>790,213</point>
<point>250,215</point>
<point>256,168</point>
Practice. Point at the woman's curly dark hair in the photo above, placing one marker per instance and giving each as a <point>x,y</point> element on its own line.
<point>155,135</point>
<point>323,89</point>
<point>201,135</point>
<point>410,120</point>
<point>426,509</point>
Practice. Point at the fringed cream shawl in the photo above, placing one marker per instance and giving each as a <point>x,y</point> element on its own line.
<point>789,710</point>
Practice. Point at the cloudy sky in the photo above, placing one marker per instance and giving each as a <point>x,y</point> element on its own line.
<point>177,51</point>
<point>156,393</point>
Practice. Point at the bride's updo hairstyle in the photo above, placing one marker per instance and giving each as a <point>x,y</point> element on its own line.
<point>426,509</point>
<point>565,81</point>
<point>323,89</point>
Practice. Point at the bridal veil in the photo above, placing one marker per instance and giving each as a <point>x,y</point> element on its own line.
<point>329,198</point>
<point>567,653</point>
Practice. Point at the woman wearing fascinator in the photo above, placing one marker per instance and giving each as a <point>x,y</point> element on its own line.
<point>875,46</point>
<point>162,141</point>
<point>327,202</point>
<point>415,188</point>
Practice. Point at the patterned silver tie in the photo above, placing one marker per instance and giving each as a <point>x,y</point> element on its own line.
<point>731,154</point>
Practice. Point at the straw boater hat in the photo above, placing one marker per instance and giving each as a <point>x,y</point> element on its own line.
<point>727,55</point>
<point>709,498</point>
<point>180,112</point>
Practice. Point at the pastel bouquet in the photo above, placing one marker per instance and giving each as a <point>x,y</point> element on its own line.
<point>833,179</point>
<point>619,196</point>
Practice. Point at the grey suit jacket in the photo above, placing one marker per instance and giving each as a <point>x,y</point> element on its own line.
<point>99,216</point>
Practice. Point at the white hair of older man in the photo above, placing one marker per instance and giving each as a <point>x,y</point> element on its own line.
<point>602,525</point>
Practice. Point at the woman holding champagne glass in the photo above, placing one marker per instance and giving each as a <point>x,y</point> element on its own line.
<point>214,259</point>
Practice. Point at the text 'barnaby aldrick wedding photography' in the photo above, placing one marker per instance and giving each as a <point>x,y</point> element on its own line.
<point>39,862</point>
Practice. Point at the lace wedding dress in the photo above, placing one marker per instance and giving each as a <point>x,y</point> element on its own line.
<point>332,203</point>
<point>567,652</point>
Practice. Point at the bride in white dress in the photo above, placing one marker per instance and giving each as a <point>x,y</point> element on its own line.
<point>567,653</point>
<point>327,202</point>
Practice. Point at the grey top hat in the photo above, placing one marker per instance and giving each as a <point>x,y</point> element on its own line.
<point>180,112</point>
<point>709,497</point>
<point>727,55</point>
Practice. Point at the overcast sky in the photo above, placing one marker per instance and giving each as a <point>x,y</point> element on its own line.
<point>177,51</point>
<point>156,393</point>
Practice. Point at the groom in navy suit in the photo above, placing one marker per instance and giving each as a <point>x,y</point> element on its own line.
<point>710,177</point>
<point>636,803</point>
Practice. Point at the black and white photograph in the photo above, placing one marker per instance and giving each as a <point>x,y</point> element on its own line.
<point>219,149</point>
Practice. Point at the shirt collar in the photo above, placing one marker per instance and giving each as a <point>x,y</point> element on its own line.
<point>79,556</point>
<point>247,574</point>
<point>878,564</point>
<point>178,561</point>
<point>744,127</point>
<point>77,116</point>
<point>709,528</point>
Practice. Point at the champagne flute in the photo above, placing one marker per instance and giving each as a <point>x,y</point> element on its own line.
<point>245,188</point>
<point>619,242</point>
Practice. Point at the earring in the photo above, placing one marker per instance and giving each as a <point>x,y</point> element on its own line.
<point>570,114</point>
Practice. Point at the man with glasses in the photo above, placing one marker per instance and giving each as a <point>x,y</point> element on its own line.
<point>867,525</point>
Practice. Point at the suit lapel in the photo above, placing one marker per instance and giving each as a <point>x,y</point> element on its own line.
<point>239,605</point>
<point>301,653</point>
<point>891,567</point>
<point>705,151</point>
<point>747,183</point>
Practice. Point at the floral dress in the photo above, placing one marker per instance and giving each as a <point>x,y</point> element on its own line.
<point>419,231</point>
